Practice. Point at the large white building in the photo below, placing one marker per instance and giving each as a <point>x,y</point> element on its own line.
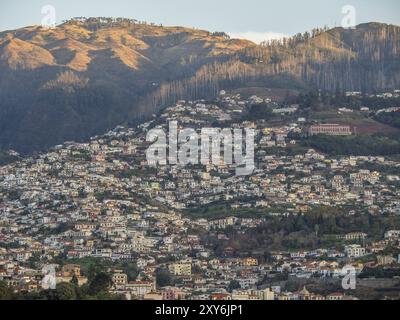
<point>392,234</point>
<point>354,251</point>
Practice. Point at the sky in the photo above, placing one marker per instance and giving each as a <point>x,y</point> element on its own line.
<point>256,20</point>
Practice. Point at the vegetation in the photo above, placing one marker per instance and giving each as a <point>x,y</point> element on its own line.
<point>6,158</point>
<point>91,267</point>
<point>390,118</point>
<point>96,289</point>
<point>259,112</point>
<point>355,145</point>
<point>164,278</point>
<point>308,231</point>
<point>380,273</point>
<point>5,291</point>
<point>218,210</point>
<point>67,81</point>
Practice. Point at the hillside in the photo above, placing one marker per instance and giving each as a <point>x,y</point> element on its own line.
<point>88,75</point>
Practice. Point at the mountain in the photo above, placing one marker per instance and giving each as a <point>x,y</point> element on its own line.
<point>88,75</point>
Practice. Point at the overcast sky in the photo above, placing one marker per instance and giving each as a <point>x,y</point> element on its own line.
<point>254,19</point>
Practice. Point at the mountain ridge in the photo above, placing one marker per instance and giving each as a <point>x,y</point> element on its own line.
<point>88,75</point>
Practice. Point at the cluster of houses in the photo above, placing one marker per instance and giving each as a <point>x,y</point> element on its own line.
<point>101,200</point>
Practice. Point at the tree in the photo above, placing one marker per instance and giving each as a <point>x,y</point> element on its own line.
<point>131,270</point>
<point>6,292</point>
<point>234,284</point>
<point>74,281</point>
<point>163,277</point>
<point>65,291</point>
<point>316,229</point>
<point>100,283</point>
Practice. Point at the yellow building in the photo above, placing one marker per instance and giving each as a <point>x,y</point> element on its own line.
<point>266,294</point>
<point>181,269</point>
<point>385,260</point>
<point>68,272</point>
<point>71,269</point>
<point>250,262</point>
